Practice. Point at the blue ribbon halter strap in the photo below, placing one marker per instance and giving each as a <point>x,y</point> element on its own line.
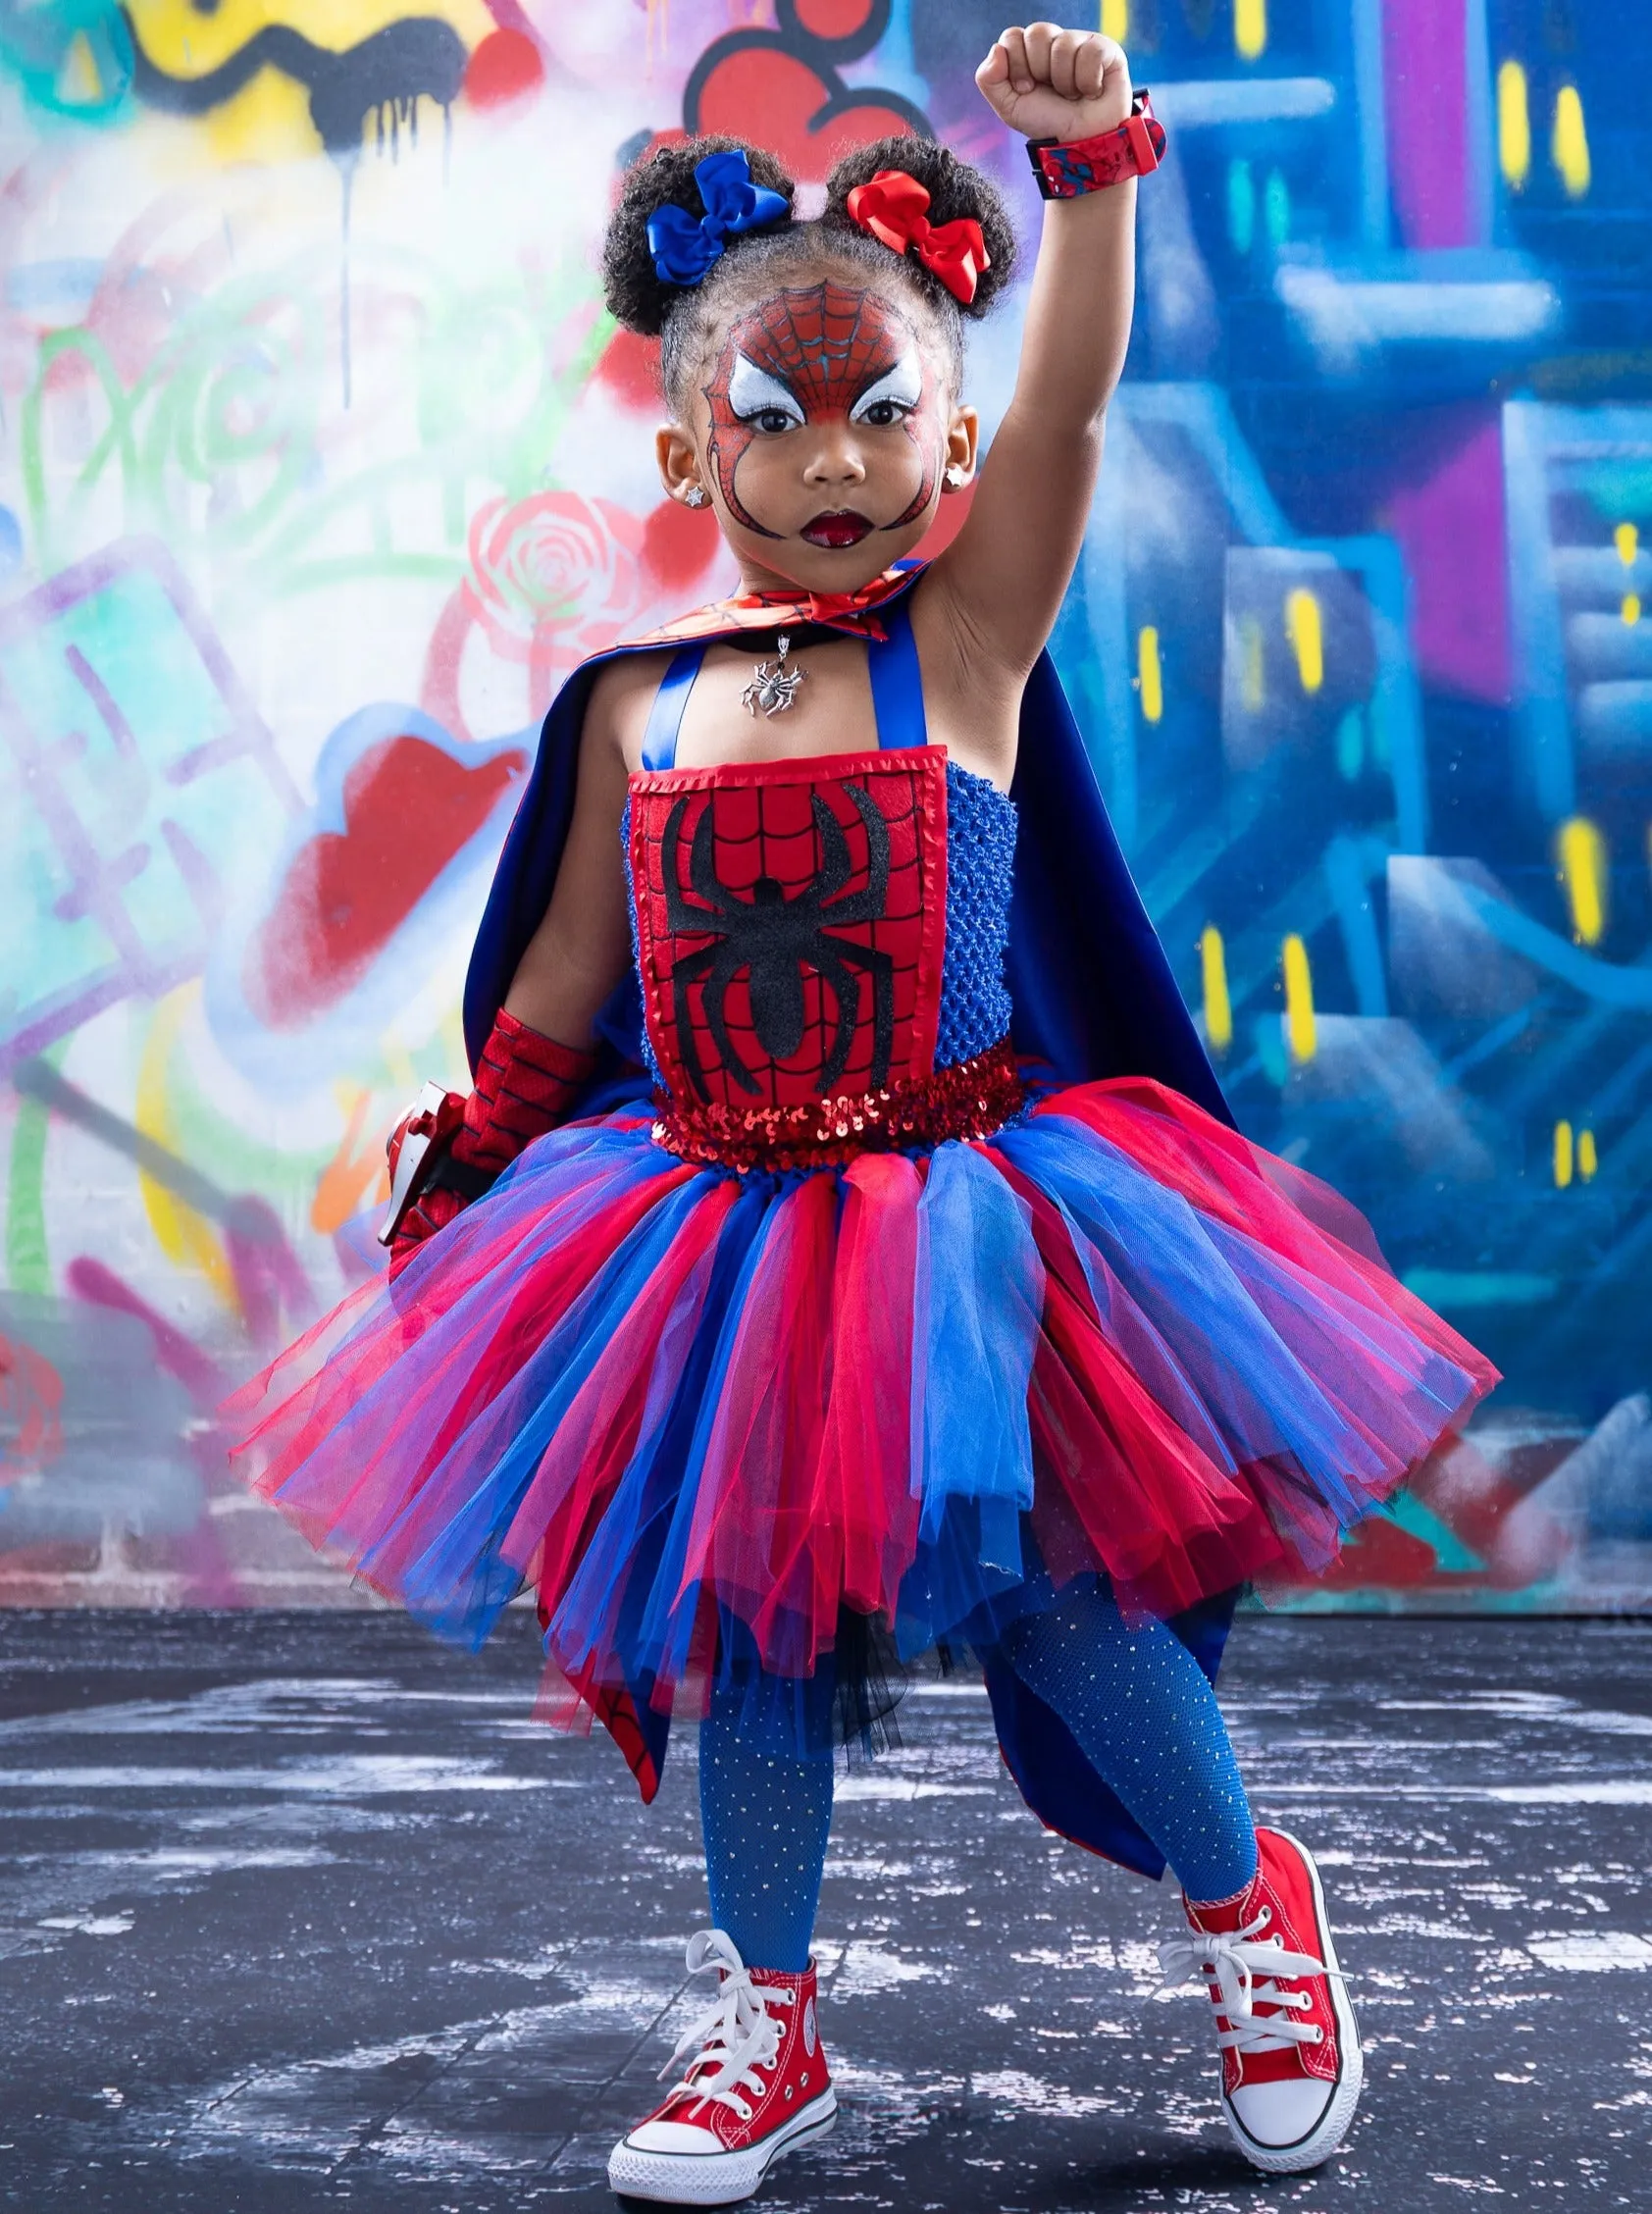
<point>892,663</point>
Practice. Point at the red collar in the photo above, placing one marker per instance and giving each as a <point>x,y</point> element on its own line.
<point>846,611</point>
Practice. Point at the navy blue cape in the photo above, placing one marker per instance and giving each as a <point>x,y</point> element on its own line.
<point>1093,996</point>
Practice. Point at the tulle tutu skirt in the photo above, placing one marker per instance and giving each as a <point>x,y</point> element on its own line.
<point>712,1416</point>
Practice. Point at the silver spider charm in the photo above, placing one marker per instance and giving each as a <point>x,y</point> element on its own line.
<point>774,686</point>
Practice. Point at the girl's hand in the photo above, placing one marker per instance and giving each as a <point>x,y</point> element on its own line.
<point>1047,82</point>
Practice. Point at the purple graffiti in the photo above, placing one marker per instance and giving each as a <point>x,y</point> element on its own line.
<point>144,779</point>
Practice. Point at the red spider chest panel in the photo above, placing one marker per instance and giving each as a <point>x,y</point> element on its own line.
<point>790,920</point>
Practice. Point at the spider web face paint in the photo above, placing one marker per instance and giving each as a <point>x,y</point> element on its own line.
<point>827,344</point>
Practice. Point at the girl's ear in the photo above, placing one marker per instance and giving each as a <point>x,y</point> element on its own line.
<point>963,435</point>
<point>678,466</point>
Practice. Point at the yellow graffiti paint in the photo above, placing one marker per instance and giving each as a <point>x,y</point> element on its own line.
<point>1626,539</point>
<point>656,34</point>
<point>268,119</point>
<point>1581,852</point>
<point>1563,1156</point>
<point>399,1063</point>
<point>1149,677</point>
<point>450,1030</point>
<point>1302,1032</point>
<point>1252,684</point>
<point>1306,631</point>
<point>1250,28</point>
<point>1219,1008</point>
<point>183,1235</point>
<point>1569,145</point>
<point>186,40</point>
<point>1115,19</point>
<point>80,81</point>
<point>342,1184</point>
<point>1514,127</point>
<point>1588,1161</point>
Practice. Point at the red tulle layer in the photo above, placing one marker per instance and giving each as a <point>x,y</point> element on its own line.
<point>1117,1338</point>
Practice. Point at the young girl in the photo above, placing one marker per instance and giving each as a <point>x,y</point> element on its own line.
<point>922,1291</point>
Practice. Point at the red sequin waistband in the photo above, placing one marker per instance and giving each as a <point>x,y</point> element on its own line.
<point>972,1099</point>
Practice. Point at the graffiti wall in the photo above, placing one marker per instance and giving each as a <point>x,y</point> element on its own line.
<point>321,464</point>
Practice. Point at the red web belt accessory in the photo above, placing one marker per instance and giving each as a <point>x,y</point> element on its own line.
<point>413,1148</point>
<point>1064,172</point>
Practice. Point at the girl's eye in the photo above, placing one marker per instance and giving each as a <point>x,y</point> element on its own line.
<point>760,400</point>
<point>893,396</point>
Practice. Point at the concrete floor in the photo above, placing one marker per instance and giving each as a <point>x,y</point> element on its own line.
<point>301,1912</point>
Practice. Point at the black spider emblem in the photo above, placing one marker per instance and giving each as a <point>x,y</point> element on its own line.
<point>774,939</point>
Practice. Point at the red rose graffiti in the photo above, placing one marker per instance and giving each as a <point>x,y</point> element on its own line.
<point>553,576</point>
<point>552,579</point>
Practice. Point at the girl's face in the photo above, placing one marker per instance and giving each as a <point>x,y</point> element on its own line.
<point>823,429</point>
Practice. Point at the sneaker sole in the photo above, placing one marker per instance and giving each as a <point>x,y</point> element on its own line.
<point>714,2178</point>
<point>1332,2127</point>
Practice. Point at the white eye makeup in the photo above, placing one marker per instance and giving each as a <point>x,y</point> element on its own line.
<point>900,387</point>
<point>753,393</point>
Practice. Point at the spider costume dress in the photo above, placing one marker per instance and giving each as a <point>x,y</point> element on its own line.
<point>922,1271</point>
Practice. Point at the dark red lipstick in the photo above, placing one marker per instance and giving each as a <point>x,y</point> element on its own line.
<point>841,528</point>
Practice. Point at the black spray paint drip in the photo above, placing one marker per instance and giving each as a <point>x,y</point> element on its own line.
<point>385,76</point>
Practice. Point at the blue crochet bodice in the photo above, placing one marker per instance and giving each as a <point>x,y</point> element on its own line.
<point>980,866</point>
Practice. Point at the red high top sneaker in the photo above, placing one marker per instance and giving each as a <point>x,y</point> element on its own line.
<point>1291,2066</point>
<point>756,2085</point>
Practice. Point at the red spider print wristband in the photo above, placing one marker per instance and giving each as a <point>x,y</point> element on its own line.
<point>1091,165</point>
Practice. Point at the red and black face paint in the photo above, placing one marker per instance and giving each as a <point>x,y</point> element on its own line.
<point>808,354</point>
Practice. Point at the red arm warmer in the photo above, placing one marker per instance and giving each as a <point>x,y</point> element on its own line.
<point>526,1084</point>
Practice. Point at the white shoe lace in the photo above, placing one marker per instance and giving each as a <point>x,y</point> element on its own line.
<point>739,2036</point>
<point>1241,1968</point>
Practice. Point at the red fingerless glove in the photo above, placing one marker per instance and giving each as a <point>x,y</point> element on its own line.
<point>526,1084</point>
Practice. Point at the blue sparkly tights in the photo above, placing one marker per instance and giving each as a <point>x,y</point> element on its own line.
<point>1136,1701</point>
<point>1145,1719</point>
<point>766,1820</point>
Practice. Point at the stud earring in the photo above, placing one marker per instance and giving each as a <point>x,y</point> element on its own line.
<point>696,495</point>
<point>956,479</point>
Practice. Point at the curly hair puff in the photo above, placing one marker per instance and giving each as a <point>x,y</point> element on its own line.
<point>955,190</point>
<point>637,295</point>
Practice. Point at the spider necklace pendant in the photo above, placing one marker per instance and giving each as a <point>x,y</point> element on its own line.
<point>773,687</point>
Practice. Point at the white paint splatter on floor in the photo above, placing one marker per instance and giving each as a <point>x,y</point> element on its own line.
<point>415,1954</point>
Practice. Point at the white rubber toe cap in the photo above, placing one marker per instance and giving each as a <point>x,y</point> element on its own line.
<point>1282,2114</point>
<point>673,2137</point>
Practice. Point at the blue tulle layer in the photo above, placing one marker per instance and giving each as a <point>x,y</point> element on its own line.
<point>759,1427</point>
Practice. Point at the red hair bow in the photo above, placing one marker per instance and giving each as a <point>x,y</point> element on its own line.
<point>891,206</point>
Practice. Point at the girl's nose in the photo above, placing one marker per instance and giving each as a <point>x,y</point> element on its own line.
<point>837,459</point>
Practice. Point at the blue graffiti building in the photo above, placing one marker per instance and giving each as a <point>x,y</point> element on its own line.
<point>1361,628</point>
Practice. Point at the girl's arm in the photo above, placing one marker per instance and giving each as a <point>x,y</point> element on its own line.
<point>1002,578</point>
<point>536,1059</point>
<point>582,947</point>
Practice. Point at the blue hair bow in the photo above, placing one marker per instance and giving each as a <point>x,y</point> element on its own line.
<point>685,248</point>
